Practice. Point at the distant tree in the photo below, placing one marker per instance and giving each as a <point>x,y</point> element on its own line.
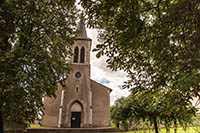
<point>156,108</point>
<point>35,45</point>
<point>120,113</point>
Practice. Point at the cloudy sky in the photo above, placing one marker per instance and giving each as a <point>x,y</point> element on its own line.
<point>103,75</point>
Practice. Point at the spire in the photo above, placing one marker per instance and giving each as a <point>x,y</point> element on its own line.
<point>82,33</point>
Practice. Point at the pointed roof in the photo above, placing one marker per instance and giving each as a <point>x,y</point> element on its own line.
<point>82,33</point>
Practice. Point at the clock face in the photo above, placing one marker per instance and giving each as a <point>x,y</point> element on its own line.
<point>78,75</point>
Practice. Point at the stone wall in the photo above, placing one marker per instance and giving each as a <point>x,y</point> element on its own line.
<point>52,107</point>
<point>100,105</point>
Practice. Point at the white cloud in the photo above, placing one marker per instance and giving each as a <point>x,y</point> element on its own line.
<point>100,73</point>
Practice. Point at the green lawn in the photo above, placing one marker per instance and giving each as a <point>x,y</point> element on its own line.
<point>36,126</point>
<point>179,130</point>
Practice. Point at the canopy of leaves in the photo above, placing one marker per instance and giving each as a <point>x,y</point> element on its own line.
<point>157,42</point>
<point>35,43</point>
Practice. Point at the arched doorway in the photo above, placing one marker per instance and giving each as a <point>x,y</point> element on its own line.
<point>76,110</point>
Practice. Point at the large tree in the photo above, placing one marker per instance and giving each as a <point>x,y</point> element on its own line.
<point>35,41</point>
<point>157,42</point>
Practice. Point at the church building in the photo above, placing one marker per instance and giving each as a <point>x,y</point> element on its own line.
<point>83,102</point>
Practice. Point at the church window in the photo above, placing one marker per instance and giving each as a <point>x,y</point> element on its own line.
<point>77,89</point>
<point>78,75</point>
<point>76,51</point>
<point>82,58</point>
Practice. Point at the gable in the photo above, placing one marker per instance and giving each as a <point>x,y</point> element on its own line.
<point>98,85</point>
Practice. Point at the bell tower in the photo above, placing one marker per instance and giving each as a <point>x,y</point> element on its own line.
<point>77,107</point>
<point>82,47</point>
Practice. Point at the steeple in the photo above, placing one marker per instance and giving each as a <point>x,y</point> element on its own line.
<point>82,33</point>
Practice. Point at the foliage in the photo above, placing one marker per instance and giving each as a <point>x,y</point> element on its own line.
<point>156,41</point>
<point>35,41</point>
<point>163,130</point>
<point>120,113</point>
<point>156,108</point>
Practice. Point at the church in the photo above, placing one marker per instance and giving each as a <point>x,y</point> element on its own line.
<point>83,102</point>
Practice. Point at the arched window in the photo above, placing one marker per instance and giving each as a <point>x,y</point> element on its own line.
<point>76,51</point>
<point>82,58</point>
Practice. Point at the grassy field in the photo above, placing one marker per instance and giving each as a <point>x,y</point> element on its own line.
<point>179,130</point>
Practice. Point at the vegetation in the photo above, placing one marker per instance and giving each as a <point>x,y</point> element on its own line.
<point>37,126</point>
<point>156,42</point>
<point>144,109</point>
<point>35,41</point>
<point>163,130</point>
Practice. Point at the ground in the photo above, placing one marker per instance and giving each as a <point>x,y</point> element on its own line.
<point>179,130</point>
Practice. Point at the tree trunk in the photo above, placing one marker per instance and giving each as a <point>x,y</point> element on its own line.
<point>155,125</point>
<point>118,125</point>
<point>175,130</point>
<point>175,127</point>
<point>1,122</point>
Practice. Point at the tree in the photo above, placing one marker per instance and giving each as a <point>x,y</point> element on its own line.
<point>35,45</point>
<point>155,42</point>
<point>120,113</point>
<point>155,108</point>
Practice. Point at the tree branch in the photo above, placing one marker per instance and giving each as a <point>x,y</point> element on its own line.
<point>158,8</point>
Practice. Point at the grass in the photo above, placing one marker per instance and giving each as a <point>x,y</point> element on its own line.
<point>36,126</point>
<point>179,130</point>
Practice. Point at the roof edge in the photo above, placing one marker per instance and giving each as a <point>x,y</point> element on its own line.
<point>102,85</point>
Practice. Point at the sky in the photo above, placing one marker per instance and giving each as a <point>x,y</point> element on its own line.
<point>103,75</point>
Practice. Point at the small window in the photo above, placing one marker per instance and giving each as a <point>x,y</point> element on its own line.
<point>82,58</point>
<point>78,75</point>
<point>76,51</point>
<point>77,89</point>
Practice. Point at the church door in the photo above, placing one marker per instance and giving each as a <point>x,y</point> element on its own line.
<point>75,119</point>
